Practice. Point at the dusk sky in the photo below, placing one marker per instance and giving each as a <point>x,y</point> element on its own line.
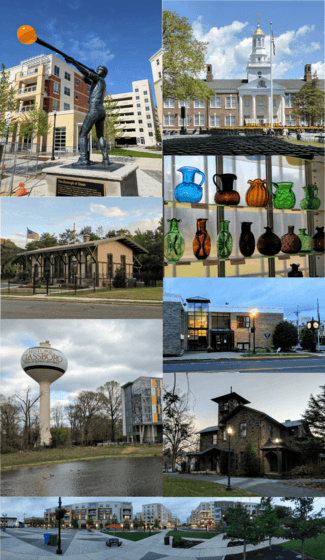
<point>122,36</point>
<point>50,215</point>
<point>252,292</point>
<point>283,396</point>
<point>298,30</point>
<point>181,507</point>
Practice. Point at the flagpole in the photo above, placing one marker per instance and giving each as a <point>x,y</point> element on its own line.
<point>271,49</point>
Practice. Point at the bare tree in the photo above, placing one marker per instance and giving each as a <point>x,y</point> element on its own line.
<point>26,408</point>
<point>178,427</point>
<point>9,419</point>
<point>57,415</point>
<point>87,406</point>
<point>111,398</point>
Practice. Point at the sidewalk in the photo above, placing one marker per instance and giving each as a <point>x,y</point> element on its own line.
<point>215,356</point>
<point>81,299</point>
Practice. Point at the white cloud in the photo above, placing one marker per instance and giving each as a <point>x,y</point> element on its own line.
<point>104,211</point>
<point>144,224</point>
<point>319,67</point>
<point>92,49</point>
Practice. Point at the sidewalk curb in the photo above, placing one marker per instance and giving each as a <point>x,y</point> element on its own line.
<point>90,300</point>
<point>233,359</point>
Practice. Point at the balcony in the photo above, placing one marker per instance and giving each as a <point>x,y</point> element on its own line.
<point>24,109</point>
<point>24,91</point>
<point>29,72</point>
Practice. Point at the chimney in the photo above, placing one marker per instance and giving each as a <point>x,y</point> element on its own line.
<point>307,76</point>
<point>288,420</point>
<point>209,73</point>
<point>46,344</point>
<point>86,238</point>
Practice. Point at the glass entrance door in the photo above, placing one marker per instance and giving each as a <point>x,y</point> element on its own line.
<point>223,341</point>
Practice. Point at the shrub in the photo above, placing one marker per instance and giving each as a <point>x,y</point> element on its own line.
<point>307,339</point>
<point>251,466</point>
<point>285,336</point>
<point>308,470</point>
<point>119,280</point>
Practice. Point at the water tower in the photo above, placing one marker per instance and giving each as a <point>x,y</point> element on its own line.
<point>45,365</point>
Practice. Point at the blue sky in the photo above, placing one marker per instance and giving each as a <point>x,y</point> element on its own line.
<point>50,215</point>
<point>254,292</point>
<point>120,35</point>
<point>298,30</point>
<point>181,507</point>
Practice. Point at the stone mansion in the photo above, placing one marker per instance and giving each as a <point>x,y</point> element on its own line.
<point>240,102</point>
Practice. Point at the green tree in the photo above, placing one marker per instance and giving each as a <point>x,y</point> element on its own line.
<point>307,339</point>
<point>11,268</point>
<point>315,415</point>
<point>136,523</point>
<point>153,241</point>
<point>8,251</point>
<point>302,522</point>
<point>252,467</point>
<point>45,240</point>
<point>242,527</point>
<point>310,449</point>
<point>157,134</point>
<point>119,280</point>
<point>141,522</point>
<point>112,127</point>
<point>285,335</point>
<point>74,522</point>
<point>309,102</point>
<point>34,123</point>
<point>90,522</point>
<point>8,103</point>
<point>268,521</point>
<point>68,237</point>
<point>59,436</point>
<point>156,523</point>
<point>184,60</point>
<point>87,230</point>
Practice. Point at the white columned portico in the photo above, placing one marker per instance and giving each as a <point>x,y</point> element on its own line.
<point>241,120</point>
<point>254,105</point>
<point>283,118</point>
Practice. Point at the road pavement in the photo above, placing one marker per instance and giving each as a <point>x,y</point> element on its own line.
<point>13,309</point>
<point>261,486</point>
<point>301,365</point>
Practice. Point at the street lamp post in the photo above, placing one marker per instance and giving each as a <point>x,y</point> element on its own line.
<point>59,515</point>
<point>52,158</point>
<point>229,432</point>
<point>253,315</point>
<point>277,441</point>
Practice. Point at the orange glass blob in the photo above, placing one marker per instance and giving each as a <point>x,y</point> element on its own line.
<point>26,34</point>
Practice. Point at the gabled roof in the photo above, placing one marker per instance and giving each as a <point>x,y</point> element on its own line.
<point>271,445</point>
<point>210,429</point>
<point>292,423</point>
<point>212,448</point>
<point>242,407</point>
<point>121,239</point>
<point>233,395</point>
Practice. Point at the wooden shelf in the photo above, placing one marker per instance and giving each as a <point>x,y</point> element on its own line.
<point>205,206</point>
<point>241,260</point>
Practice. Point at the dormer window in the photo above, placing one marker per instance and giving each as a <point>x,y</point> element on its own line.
<point>226,406</point>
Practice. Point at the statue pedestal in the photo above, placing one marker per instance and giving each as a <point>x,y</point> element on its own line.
<point>96,180</point>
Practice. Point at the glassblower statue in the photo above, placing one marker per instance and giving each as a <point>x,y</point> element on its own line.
<point>96,112</point>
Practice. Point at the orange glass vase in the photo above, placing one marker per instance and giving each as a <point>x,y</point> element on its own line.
<point>202,240</point>
<point>257,194</point>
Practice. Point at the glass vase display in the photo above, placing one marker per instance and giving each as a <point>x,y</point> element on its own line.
<point>188,190</point>
<point>295,273</point>
<point>226,194</point>
<point>224,240</point>
<point>319,240</point>
<point>174,244</point>
<point>284,197</point>
<point>311,202</point>
<point>201,241</point>
<point>246,240</point>
<point>307,243</point>
<point>269,244</point>
<point>290,242</point>
<point>257,194</point>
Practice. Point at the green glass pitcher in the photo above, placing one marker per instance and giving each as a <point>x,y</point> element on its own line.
<point>284,198</point>
<point>311,202</point>
<point>174,244</point>
<point>307,243</point>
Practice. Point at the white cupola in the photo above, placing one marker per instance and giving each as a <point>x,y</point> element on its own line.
<point>259,65</point>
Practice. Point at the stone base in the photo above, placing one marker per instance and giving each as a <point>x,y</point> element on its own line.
<point>115,179</point>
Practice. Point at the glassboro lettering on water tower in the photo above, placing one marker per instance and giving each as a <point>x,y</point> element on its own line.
<point>38,355</point>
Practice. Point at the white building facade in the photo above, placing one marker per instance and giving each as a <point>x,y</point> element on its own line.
<point>101,513</point>
<point>157,69</point>
<point>150,512</point>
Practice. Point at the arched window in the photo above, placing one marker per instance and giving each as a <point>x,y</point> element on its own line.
<point>109,265</point>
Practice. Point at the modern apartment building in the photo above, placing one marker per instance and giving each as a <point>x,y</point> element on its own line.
<point>157,68</point>
<point>150,512</point>
<point>209,513</point>
<point>57,87</point>
<point>137,115</point>
<point>142,410</point>
<point>101,513</point>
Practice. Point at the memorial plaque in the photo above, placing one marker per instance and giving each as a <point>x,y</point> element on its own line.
<point>78,187</point>
<point>237,261</point>
<point>200,205</point>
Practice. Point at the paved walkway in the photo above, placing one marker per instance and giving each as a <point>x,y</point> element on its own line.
<point>28,544</point>
<point>80,298</point>
<point>213,356</point>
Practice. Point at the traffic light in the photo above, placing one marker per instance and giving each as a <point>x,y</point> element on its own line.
<point>183,112</point>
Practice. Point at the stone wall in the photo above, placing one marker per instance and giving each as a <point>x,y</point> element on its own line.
<point>172,312</point>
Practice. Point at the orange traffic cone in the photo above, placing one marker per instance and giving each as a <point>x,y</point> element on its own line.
<point>21,191</point>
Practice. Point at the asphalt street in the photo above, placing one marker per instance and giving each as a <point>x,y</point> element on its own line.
<point>301,365</point>
<point>262,487</point>
<point>13,309</point>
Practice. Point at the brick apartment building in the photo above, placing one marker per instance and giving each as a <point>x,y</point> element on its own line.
<point>194,324</point>
<point>239,102</point>
<point>249,426</point>
<point>101,513</point>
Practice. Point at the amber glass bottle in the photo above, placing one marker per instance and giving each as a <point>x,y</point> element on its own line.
<point>201,241</point>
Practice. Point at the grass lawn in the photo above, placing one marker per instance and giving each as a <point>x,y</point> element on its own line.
<point>192,534</point>
<point>125,152</point>
<point>186,488</point>
<point>274,355</point>
<point>131,536</point>
<point>118,293</point>
<point>65,455</point>
<point>313,547</point>
<point>304,143</point>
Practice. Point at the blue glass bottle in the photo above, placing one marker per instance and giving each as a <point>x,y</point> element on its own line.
<point>188,190</point>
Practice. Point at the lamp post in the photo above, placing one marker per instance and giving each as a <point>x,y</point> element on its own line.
<point>277,441</point>
<point>60,513</point>
<point>229,432</point>
<point>313,326</point>
<point>52,158</point>
<point>253,315</point>
<point>183,115</point>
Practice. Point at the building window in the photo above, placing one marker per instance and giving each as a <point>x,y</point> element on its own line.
<point>274,102</point>
<point>140,129</point>
<point>215,102</point>
<point>198,104</point>
<point>230,120</point>
<point>199,120</point>
<point>76,94</point>
<point>150,133</point>
<point>187,121</point>
<point>137,96</point>
<point>67,76</point>
<point>77,81</point>
<point>246,102</point>
<point>158,62</point>
<point>184,104</point>
<point>215,439</point>
<point>243,429</point>
<point>56,71</point>
<point>224,435</point>
<point>67,91</point>
<point>243,322</point>
<point>220,321</point>
<point>88,88</point>
<point>169,120</point>
<point>136,90</point>
<point>55,105</point>
<point>169,103</point>
<point>138,104</point>
<point>270,430</point>
<point>231,102</point>
<point>290,120</point>
<point>149,125</point>
<point>214,120</point>
<point>139,113</point>
<point>145,93</point>
<point>148,117</point>
<point>123,261</point>
<point>260,102</point>
<point>159,74</point>
<point>66,106</point>
<point>289,100</point>
<point>147,108</point>
<point>56,87</point>
<point>109,265</point>
<point>146,100</point>
<point>140,121</point>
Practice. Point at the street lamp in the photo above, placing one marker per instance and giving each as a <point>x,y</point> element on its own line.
<point>52,158</point>
<point>253,314</point>
<point>229,432</point>
<point>313,326</point>
<point>277,441</point>
<point>60,513</point>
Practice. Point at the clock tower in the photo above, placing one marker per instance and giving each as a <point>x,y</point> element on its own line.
<point>259,65</point>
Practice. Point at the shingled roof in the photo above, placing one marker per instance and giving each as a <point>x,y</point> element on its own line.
<point>233,85</point>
